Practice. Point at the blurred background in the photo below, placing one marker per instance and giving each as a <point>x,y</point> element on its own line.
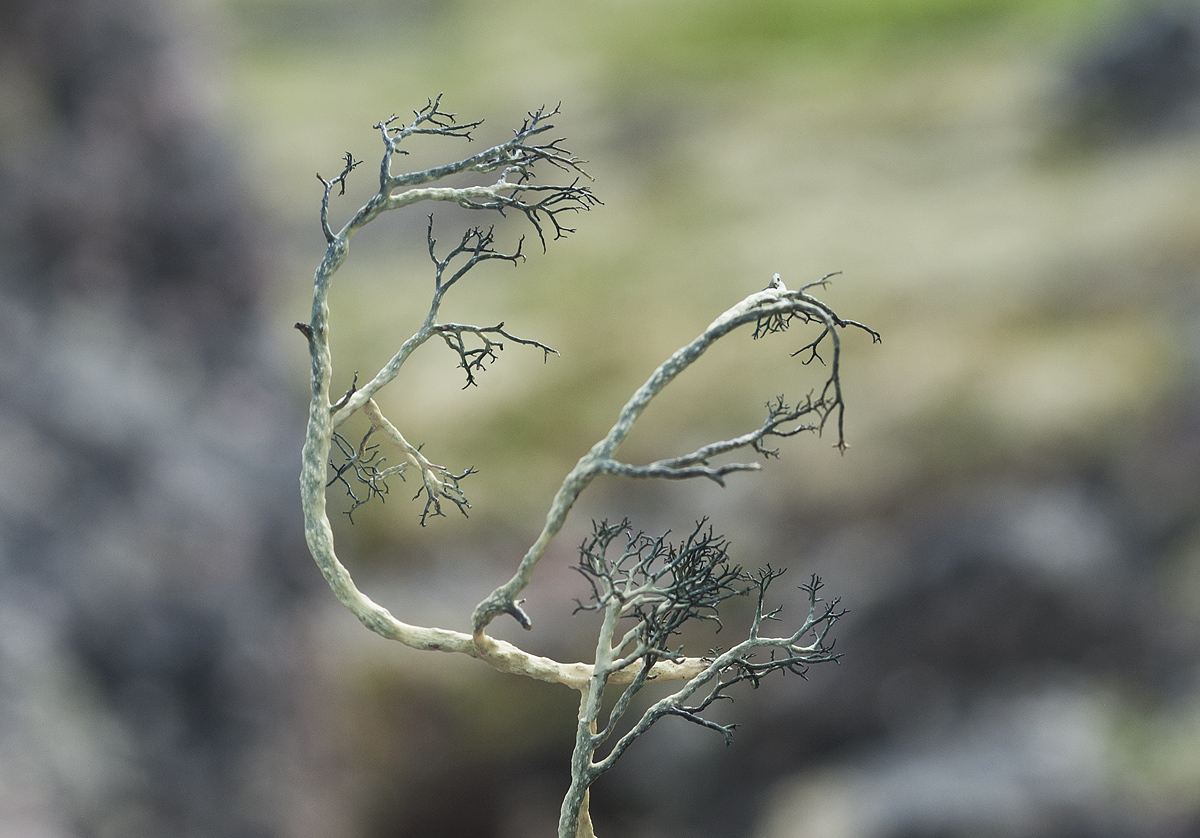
<point>1010,190</point>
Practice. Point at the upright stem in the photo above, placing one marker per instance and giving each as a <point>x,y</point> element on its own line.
<point>574,818</point>
<point>574,812</point>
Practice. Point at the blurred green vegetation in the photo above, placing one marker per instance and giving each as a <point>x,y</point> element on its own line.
<point>675,26</point>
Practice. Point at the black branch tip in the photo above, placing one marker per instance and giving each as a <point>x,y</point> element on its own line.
<point>430,120</point>
<point>361,466</point>
<point>476,359</point>
<point>514,610</point>
<point>807,309</point>
<point>476,245</point>
<point>438,484</point>
<point>676,582</point>
<point>350,391</point>
<point>340,180</point>
<point>351,165</point>
<point>545,207</point>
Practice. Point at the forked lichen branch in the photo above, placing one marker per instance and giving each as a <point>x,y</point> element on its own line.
<point>655,584</point>
<point>774,303</point>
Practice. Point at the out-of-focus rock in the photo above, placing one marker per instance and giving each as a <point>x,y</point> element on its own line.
<point>150,547</point>
<point>1142,80</point>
